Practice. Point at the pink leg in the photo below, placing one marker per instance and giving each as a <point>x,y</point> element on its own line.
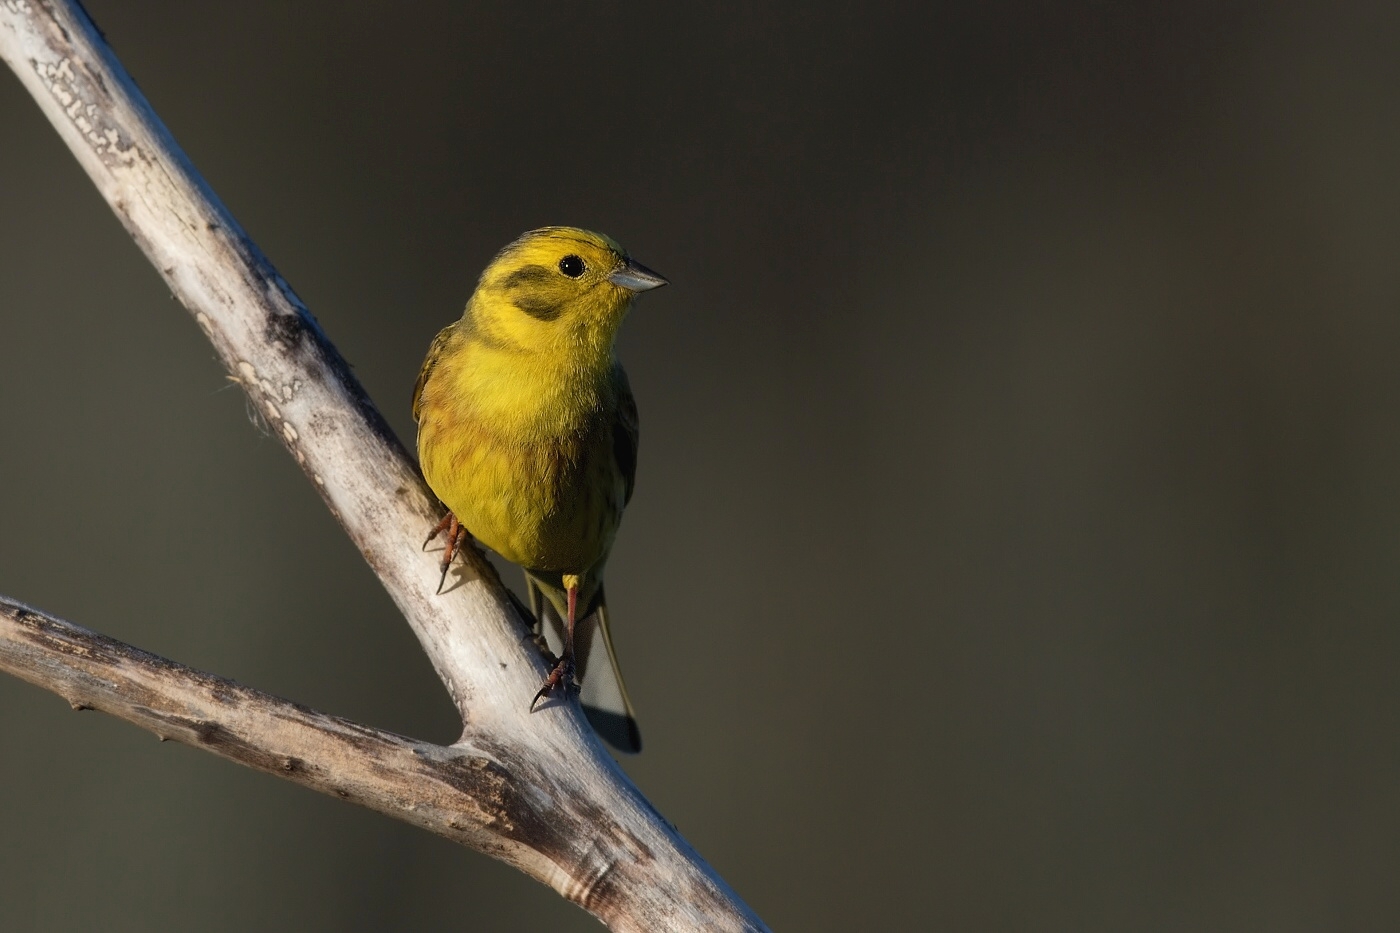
<point>563,673</point>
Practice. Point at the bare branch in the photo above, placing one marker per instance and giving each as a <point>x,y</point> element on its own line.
<point>379,770</point>
<point>536,791</point>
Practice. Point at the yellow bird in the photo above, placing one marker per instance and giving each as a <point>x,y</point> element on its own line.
<point>527,432</point>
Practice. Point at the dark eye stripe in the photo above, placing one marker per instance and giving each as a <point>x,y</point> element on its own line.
<point>528,275</point>
<point>524,280</point>
<point>540,308</point>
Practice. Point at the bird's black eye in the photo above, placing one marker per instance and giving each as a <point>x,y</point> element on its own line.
<point>572,266</point>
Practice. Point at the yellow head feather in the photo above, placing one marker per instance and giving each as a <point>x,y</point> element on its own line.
<point>557,290</point>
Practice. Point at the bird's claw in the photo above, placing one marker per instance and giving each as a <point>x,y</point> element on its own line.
<point>456,531</point>
<point>438,529</point>
<point>562,675</point>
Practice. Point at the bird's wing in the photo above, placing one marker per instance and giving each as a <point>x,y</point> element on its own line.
<point>626,432</point>
<point>439,346</point>
<point>602,692</point>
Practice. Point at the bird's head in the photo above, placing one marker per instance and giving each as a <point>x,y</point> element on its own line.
<point>558,289</point>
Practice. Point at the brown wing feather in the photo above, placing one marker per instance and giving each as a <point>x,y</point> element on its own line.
<point>435,351</point>
<point>626,432</point>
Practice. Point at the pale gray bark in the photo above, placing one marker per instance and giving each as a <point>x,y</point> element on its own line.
<point>534,790</point>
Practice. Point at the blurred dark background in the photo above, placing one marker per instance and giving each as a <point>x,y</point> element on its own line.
<point>1018,526</point>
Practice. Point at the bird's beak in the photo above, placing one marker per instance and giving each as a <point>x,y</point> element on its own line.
<point>636,277</point>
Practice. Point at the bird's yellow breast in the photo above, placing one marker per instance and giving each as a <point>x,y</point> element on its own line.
<point>521,450</point>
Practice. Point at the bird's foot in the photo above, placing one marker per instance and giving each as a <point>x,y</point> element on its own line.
<point>563,673</point>
<point>456,531</point>
<point>562,676</point>
<point>438,529</point>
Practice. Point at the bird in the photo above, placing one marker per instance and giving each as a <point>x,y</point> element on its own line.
<point>528,432</point>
